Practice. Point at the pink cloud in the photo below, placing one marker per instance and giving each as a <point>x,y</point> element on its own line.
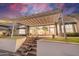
<point>21,7</point>
<point>41,6</point>
<point>60,5</point>
<point>16,6</point>
<point>13,6</point>
<point>24,8</point>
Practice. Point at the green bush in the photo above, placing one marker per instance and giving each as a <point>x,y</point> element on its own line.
<point>72,34</point>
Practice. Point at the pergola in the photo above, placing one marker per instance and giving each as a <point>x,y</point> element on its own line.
<point>45,18</point>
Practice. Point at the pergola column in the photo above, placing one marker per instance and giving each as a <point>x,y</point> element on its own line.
<point>13,28</point>
<point>74,30</point>
<point>16,29</point>
<point>27,30</point>
<point>64,29</point>
<point>60,30</point>
<point>56,29</point>
<point>78,27</point>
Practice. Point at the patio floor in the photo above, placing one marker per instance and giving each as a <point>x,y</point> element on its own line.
<point>48,48</point>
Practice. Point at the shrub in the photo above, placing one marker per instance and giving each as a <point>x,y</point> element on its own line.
<point>72,34</point>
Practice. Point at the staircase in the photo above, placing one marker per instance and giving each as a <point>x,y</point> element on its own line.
<point>28,48</point>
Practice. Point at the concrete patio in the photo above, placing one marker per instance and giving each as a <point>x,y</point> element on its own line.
<point>48,48</point>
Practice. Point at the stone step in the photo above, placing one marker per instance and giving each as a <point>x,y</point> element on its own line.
<point>28,48</point>
<point>28,44</point>
<point>34,48</point>
<point>21,50</point>
<point>31,52</point>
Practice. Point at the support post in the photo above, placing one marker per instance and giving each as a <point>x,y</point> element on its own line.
<point>56,29</point>
<point>74,30</point>
<point>27,30</point>
<point>60,30</point>
<point>77,26</point>
<point>12,33</point>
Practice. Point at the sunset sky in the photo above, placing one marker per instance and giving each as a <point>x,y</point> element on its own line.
<point>13,10</point>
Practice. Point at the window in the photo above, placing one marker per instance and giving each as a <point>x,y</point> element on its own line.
<point>22,30</point>
<point>69,28</point>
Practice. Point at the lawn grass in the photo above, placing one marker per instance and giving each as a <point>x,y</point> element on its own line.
<point>69,39</point>
<point>14,37</point>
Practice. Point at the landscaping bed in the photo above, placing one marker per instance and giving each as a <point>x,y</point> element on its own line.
<point>62,39</point>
